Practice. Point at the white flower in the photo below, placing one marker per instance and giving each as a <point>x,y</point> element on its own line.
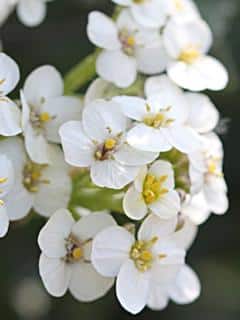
<point>160,120</point>
<point>138,264</point>
<point>6,183</point>
<point>45,109</point>
<point>151,13</point>
<point>153,190</point>
<point>99,142</point>
<point>184,9</point>
<point>32,12</point>
<point>187,43</point>
<point>66,253</point>
<point>128,48</point>
<point>9,111</point>
<point>44,188</point>
<point>203,116</point>
<point>207,178</point>
<point>184,289</point>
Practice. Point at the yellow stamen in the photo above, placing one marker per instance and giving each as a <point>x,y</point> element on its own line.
<point>1,202</point>
<point>189,55</point>
<point>77,253</point>
<point>3,180</point>
<point>138,1</point>
<point>131,41</point>
<point>2,81</point>
<point>162,256</point>
<point>178,5</point>
<point>109,144</point>
<point>45,117</point>
<point>153,188</point>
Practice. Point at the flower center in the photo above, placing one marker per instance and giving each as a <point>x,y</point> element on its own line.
<point>39,120</point>
<point>159,119</point>
<point>190,54</point>
<point>32,176</point>
<point>153,188</point>
<point>128,41</point>
<point>105,150</point>
<point>141,254</point>
<point>74,249</point>
<point>2,180</point>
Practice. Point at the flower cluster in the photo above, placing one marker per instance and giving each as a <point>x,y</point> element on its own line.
<point>139,145</point>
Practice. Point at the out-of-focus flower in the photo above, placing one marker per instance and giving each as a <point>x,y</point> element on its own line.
<point>153,191</point>
<point>128,48</point>
<point>66,252</point>
<point>99,142</point>
<point>44,110</point>
<point>154,258</point>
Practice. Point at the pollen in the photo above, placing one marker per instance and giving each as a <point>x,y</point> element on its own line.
<point>131,41</point>
<point>109,144</point>
<point>1,202</point>
<point>77,253</point>
<point>3,180</point>
<point>45,117</point>
<point>32,176</point>
<point>178,5</point>
<point>157,120</point>
<point>2,81</point>
<point>153,188</point>
<point>189,55</point>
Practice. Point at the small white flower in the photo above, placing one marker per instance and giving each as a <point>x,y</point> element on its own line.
<point>32,12</point>
<point>187,43</point>
<point>138,264</point>
<point>99,142</point>
<point>128,48</point>
<point>153,190</point>
<point>66,253</point>
<point>184,289</point>
<point>207,178</point>
<point>203,116</point>
<point>9,112</point>
<point>44,110</point>
<point>160,120</point>
<point>44,188</point>
<point>149,13</point>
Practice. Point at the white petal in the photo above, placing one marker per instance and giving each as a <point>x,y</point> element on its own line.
<point>134,205</point>
<point>44,82</point>
<point>78,148</point>
<point>10,116</point>
<point>61,109</point>
<point>162,85</point>
<point>55,274</point>
<point>123,2</point>
<point>180,34</point>
<point>97,90</point>
<point>162,168</point>
<point>18,202</point>
<point>108,256</point>
<point>111,174</point>
<point>133,107</point>
<point>154,226</point>
<point>4,221</point>
<point>86,284</point>
<point>139,180</point>
<point>183,138</point>
<point>102,31</point>
<point>203,116</point>
<point>158,298</point>
<point>152,60</point>
<point>168,206</point>
<point>132,287</point>
<point>116,67</point>
<point>102,119</point>
<point>186,288</point>
<point>147,139</point>
<point>215,194</point>
<point>87,227</point>
<point>31,12</point>
<point>7,173</point>
<point>9,74</point>
<point>134,157</point>
<point>59,182</point>
<point>52,237</point>
<point>36,145</point>
<point>185,236</point>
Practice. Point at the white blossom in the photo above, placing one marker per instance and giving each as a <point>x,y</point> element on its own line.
<point>44,188</point>
<point>154,258</point>
<point>127,48</point>
<point>9,111</point>
<point>65,262</point>
<point>187,43</point>
<point>153,190</point>
<point>99,142</point>
<point>44,110</point>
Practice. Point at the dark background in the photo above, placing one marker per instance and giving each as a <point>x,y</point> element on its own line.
<point>61,40</point>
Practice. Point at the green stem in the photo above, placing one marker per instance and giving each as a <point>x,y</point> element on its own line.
<point>81,74</point>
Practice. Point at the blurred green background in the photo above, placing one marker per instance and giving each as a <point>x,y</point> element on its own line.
<point>61,40</point>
